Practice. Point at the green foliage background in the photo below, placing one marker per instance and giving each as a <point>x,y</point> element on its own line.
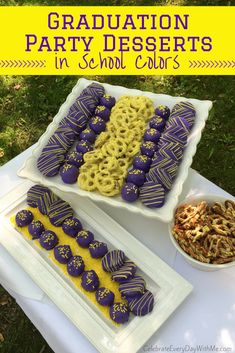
<point>28,104</point>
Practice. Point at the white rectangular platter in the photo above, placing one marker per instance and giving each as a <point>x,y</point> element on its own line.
<point>169,288</point>
<point>29,169</point>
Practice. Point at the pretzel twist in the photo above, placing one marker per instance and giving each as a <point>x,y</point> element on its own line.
<point>207,233</point>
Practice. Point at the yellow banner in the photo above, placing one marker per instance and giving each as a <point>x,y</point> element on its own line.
<point>117,40</point>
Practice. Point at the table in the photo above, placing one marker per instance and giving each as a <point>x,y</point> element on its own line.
<point>204,320</point>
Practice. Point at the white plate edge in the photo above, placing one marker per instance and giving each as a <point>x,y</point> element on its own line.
<point>183,289</point>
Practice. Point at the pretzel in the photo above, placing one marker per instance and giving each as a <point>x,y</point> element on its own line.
<point>101,139</point>
<point>188,215</point>
<point>87,181</point>
<point>116,147</point>
<point>207,233</point>
<point>133,149</point>
<point>109,164</point>
<point>92,157</point>
<point>88,167</point>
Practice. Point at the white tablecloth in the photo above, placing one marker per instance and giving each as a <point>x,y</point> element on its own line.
<point>205,319</point>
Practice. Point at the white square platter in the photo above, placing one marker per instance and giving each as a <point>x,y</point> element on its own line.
<point>169,288</point>
<point>29,169</point>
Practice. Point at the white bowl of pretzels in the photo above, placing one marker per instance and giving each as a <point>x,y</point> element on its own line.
<point>203,231</point>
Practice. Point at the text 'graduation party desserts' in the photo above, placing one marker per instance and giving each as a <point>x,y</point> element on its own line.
<point>106,276</point>
<point>124,147</point>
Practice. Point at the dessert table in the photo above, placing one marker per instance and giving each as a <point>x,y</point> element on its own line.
<point>204,322</point>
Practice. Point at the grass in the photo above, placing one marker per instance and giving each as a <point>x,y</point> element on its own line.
<point>18,333</point>
<point>28,104</point>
